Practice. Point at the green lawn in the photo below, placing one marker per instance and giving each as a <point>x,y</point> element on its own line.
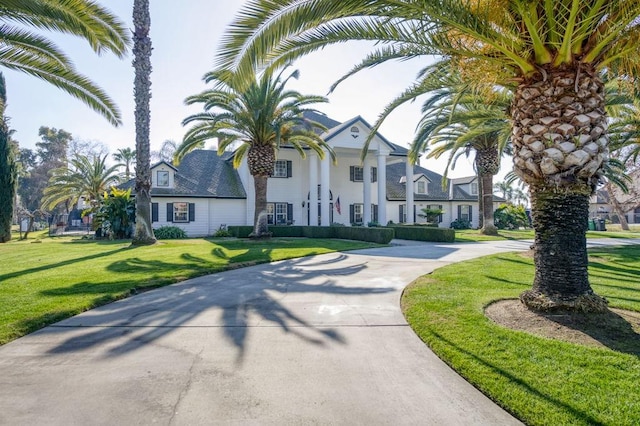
<point>541,381</point>
<point>472,235</point>
<point>59,277</point>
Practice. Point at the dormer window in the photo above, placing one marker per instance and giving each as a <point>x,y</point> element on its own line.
<point>422,187</point>
<point>162,178</point>
<point>474,188</point>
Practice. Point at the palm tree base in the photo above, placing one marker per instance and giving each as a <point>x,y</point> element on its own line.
<point>143,242</point>
<point>489,230</point>
<point>588,303</point>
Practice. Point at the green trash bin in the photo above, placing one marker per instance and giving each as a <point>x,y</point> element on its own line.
<point>592,225</point>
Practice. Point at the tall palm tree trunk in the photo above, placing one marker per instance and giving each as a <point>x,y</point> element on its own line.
<point>560,142</point>
<point>487,164</point>
<point>260,159</point>
<point>142,93</point>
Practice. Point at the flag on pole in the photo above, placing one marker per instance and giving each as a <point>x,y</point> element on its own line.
<point>338,205</point>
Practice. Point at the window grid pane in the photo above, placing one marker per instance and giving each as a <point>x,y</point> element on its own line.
<point>180,212</point>
<point>163,178</point>
<point>464,212</point>
<point>358,213</point>
<point>281,213</point>
<point>280,168</point>
<point>357,174</point>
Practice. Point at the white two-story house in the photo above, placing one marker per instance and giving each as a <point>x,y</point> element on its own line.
<point>205,192</point>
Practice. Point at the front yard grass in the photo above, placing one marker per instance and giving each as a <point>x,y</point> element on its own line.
<point>541,381</point>
<point>42,283</point>
<point>473,235</point>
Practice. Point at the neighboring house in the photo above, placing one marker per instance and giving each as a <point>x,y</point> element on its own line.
<point>601,208</point>
<point>205,192</point>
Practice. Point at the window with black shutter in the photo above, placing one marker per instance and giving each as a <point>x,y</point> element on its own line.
<point>192,212</point>
<point>154,212</point>
<point>355,173</point>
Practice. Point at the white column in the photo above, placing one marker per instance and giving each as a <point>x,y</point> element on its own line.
<point>313,190</point>
<point>325,174</point>
<point>382,188</point>
<point>366,191</point>
<point>409,190</point>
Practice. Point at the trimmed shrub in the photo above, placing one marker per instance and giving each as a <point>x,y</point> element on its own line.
<point>240,231</point>
<point>461,224</point>
<point>373,235</point>
<point>425,233</point>
<point>319,231</point>
<point>286,231</point>
<point>169,233</point>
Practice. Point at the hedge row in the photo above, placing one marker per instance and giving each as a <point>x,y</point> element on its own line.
<point>373,235</point>
<point>424,233</point>
<point>380,235</point>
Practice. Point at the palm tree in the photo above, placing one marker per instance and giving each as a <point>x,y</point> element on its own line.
<point>258,115</point>
<point>551,54</point>
<point>457,121</point>
<point>86,177</point>
<point>8,170</point>
<point>126,157</point>
<point>28,52</point>
<point>142,93</point>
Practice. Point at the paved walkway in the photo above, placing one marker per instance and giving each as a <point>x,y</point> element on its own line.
<point>317,340</point>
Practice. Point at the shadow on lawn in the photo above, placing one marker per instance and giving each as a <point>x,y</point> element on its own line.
<point>517,381</point>
<point>234,301</point>
<point>59,264</point>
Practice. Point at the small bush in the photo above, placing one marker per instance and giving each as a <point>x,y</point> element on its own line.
<point>169,233</point>
<point>461,224</point>
<point>425,233</point>
<point>221,233</point>
<point>373,224</point>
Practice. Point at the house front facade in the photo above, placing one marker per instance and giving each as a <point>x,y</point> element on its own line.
<point>204,192</point>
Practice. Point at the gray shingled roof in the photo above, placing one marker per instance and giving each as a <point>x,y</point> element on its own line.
<point>396,191</point>
<point>318,117</point>
<point>202,173</point>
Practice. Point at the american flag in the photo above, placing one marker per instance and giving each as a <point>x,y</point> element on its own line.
<point>338,205</point>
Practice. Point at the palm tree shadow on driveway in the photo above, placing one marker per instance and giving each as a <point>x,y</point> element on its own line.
<point>235,301</point>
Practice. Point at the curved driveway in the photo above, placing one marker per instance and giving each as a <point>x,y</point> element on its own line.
<point>318,340</point>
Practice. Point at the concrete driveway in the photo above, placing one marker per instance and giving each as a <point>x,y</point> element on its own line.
<point>318,340</point>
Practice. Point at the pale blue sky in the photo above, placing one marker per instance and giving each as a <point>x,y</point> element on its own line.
<point>185,37</point>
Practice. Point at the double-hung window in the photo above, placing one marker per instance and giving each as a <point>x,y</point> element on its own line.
<point>162,178</point>
<point>464,212</point>
<point>282,169</point>
<point>181,212</point>
<point>278,213</point>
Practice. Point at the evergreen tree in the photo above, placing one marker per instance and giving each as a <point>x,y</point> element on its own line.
<point>8,171</point>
